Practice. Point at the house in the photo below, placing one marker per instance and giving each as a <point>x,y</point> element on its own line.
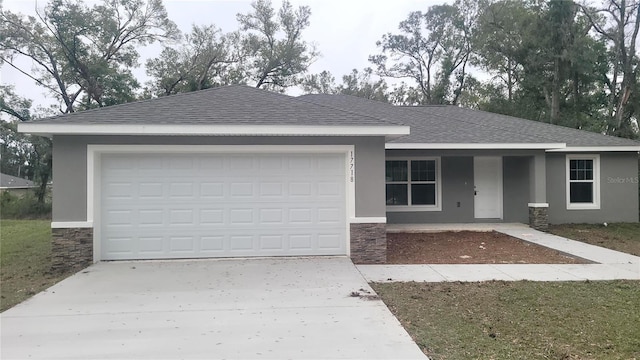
<point>236,172</point>
<point>14,185</point>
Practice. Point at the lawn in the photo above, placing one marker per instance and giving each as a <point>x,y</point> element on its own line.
<point>623,237</point>
<point>519,320</point>
<point>25,250</point>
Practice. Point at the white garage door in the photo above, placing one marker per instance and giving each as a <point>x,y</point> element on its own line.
<point>202,205</point>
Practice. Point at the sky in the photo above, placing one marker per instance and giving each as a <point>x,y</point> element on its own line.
<point>344,31</point>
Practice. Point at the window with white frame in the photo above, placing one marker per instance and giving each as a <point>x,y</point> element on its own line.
<point>583,182</point>
<point>413,184</point>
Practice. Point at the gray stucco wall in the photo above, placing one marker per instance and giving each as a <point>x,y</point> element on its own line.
<point>618,190</point>
<point>457,196</point>
<point>70,160</point>
<point>516,188</point>
<point>69,193</point>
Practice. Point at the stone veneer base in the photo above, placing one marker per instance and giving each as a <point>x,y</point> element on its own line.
<point>539,218</point>
<point>369,243</point>
<point>71,249</point>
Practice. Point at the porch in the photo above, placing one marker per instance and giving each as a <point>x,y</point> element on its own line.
<point>440,227</point>
<point>472,187</point>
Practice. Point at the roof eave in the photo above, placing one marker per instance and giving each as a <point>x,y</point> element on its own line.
<point>213,130</point>
<point>475,146</point>
<point>608,148</point>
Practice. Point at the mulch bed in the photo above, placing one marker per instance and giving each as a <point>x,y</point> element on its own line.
<point>470,247</point>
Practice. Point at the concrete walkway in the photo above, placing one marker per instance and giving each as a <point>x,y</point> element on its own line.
<point>608,264</point>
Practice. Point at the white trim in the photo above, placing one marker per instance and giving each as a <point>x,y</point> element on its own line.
<point>195,129</point>
<point>466,146</point>
<point>71,224</point>
<point>596,148</point>
<point>538,205</point>
<point>205,149</point>
<point>595,205</point>
<point>409,208</point>
<point>94,153</point>
<point>368,220</point>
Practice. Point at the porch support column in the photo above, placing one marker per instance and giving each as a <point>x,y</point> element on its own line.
<point>538,206</point>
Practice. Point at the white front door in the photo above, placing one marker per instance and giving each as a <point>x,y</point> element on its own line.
<point>158,206</point>
<point>487,174</point>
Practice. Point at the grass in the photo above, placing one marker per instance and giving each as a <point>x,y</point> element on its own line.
<point>519,320</point>
<point>25,250</point>
<point>623,237</point>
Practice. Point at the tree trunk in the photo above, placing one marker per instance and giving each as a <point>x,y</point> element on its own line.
<point>509,80</point>
<point>555,92</point>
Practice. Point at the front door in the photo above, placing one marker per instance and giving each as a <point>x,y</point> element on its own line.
<point>487,174</point>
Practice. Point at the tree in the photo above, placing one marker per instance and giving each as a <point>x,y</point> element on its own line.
<point>500,41</point>
<point>83,54</point>
<point>617,22</point>
<point>432,49</point>
<point>206,58</point>
<point>544,63</point>
<point>14,149</point>
<point>14,105</point>
<point>276,54</point>
<point>23,155</point>
<point>362,85</point>
<point>356,83</point>
<point>322,83</point>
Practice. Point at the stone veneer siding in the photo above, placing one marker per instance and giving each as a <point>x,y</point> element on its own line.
<point>539,218</point>
<point>368,243</point>
<point>71,249</point>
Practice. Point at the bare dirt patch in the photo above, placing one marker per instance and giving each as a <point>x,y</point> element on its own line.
<point>470,247</point>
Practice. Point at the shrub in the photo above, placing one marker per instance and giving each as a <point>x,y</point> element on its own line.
<point>24,207</point>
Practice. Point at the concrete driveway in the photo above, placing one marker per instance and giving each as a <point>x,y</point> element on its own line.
<point>237,309</point>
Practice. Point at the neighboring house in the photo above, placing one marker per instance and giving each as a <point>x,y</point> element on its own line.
<point>14,185</point>
<point>237,171</point>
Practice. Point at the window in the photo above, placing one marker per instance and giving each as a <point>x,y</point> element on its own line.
<point>583,185</point>
<point>413,184</point>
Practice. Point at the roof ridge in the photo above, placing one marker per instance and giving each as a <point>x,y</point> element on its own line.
<point>350,96</point>
<point>299,98</point>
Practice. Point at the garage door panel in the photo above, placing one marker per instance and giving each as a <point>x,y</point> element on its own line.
<point>186,205</point>
<point>271,216</point>
<point>118,218</point>
<point>241,242</point>
<point>241,189</point>
<point>119,190</point>
<point>211,190</point>
<point>151,245</point>
<point>181,190</point>
<point>151,217</point>
<point>163,216</point>
<point>271,190</point>
<point>181,244</point>
<point>181,217</point>
<point>212,244</point>
<point>214,217</point>
<point>329,241</point>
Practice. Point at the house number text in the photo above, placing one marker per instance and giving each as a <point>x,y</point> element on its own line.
<point>352,171</point>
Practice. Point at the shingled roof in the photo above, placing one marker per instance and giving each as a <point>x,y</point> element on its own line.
<point>238,109</point>
<point>227,105</point>
<point>440,124</point>
<point>14,182</point>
